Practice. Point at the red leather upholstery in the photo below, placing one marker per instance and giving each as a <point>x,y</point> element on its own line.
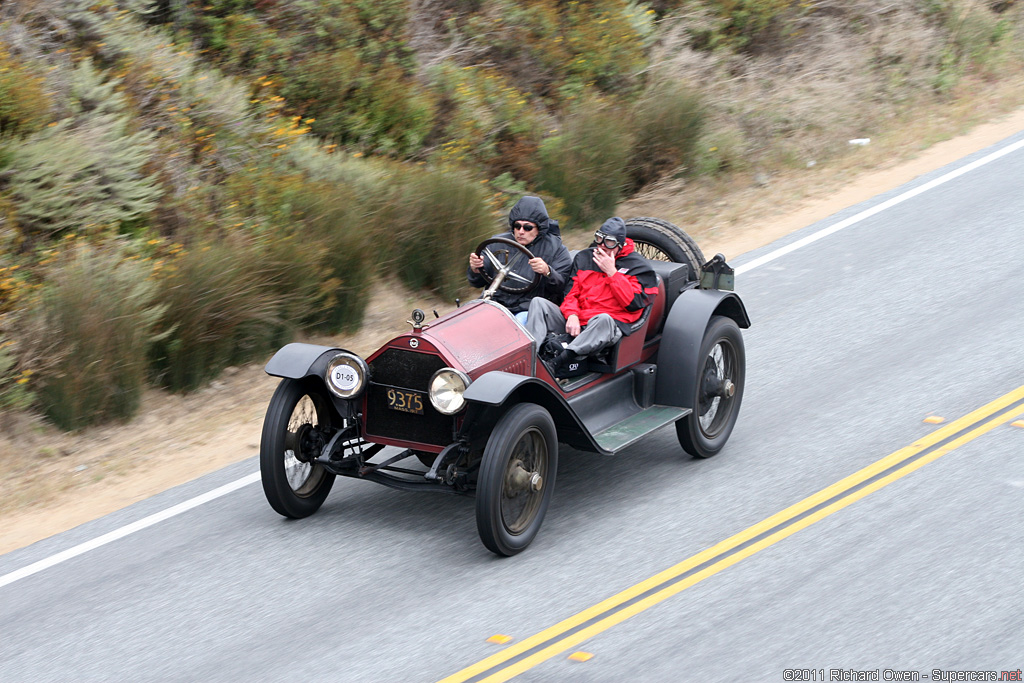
<point>657,311</point>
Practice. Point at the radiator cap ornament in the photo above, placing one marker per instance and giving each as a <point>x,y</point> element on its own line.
<point>418,317</point>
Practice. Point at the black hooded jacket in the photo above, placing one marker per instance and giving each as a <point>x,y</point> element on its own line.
<point>547,246</point>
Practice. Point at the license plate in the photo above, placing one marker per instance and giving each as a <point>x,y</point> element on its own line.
<point>405,401</point>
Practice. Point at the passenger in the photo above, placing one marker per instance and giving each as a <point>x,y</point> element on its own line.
<point>530,226</point>
<point>611,285</point>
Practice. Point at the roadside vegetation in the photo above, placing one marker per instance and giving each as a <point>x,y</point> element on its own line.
<point>185,186</point>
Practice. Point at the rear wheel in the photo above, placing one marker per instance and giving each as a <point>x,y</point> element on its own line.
<point>719,390</point>
<point>517,476</point>
<point>659,240</point>
<point>295,430</point>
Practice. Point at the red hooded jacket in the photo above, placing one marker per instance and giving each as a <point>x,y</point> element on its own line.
<point>623,295</point>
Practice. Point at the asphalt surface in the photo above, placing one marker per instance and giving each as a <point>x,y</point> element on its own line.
<point>856,339</point>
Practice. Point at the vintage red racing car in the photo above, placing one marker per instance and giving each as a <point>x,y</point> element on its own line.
<point>475,411</point>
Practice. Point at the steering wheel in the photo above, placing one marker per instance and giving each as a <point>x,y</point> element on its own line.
<point>506,266</point>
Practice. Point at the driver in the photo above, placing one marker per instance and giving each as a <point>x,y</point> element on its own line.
<point>530,226</point>
<point>611,287</point>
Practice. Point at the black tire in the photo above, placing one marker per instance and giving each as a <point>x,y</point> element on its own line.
<point>509,509</point>
<point>660,240</point>
<point>703,432</point>
<point>295,429</point>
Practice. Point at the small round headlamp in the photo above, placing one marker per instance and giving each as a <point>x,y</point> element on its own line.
<point>346,375</point>
<point>447,387</point>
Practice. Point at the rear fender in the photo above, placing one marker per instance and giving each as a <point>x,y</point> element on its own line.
<point>491,394</point>
<point>682,337</point>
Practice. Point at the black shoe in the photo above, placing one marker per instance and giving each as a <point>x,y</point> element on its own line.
<point>566,364</point>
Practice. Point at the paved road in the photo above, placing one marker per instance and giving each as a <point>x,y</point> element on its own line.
<point>857,338</point>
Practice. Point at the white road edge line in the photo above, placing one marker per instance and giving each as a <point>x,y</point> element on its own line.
<point>888,204</point>
<point>175,510</point>
<point>139,525</point>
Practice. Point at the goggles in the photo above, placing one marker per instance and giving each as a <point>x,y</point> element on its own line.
<point>525,226</point>
<point>608,241</point>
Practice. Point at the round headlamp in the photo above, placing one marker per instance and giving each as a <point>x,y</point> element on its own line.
<point>346,375</point>
<point>447,387</point>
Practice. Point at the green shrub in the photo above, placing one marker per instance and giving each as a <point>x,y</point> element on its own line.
<point>341,65</point>
<point>350,263</point>
<point>430,220</point>
<point>981,37</point>
<point>364,176</point>
<point>24,104</point>
<point>15,393</point>
<point>376,108</point>
<point>668,122</point>
<point>608,39</point>
<point>336,243</point>
<point>978,38</point>
<point>314,241</point>
<point>586,166</point>
<point>97,310</point>
<point>92,91</point>
<point>219,309</point>
<point>743,23</point>
<point>85,177</point>
<point>488,120</point>
<point>564,48</point>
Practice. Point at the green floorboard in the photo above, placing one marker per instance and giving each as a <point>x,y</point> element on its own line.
<point>633,428</point>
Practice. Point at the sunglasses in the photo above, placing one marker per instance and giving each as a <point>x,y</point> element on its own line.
<point>608,241</point>
<point>524,226</point>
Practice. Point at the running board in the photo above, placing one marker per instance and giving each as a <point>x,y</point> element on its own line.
<point>637,426</point>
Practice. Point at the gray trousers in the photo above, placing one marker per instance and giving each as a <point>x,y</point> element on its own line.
<point>544,317</point>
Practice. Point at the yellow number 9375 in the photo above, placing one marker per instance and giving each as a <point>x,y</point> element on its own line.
<point>405,401</point>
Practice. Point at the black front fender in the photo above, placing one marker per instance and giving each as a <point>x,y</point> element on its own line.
<point>295,361</point>
<point>299,361</point>
<point>678,354</point>
<point>491,394</point>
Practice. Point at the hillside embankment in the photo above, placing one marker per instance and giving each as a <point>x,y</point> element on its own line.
<point>71,479</point>
<point>186,186</point>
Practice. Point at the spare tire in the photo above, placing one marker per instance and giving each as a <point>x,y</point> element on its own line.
<point>660,240</point>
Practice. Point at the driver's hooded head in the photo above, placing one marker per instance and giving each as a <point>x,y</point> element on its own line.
<point>528,219</point>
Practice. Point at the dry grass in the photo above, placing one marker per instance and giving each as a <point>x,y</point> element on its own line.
<point>716,208</point>
<point>843,70</point>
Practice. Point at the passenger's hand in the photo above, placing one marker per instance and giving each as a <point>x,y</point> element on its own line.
<point>572,325</point>
<point>604,261</point>
<point>475,262</point>
<point>539,266</point>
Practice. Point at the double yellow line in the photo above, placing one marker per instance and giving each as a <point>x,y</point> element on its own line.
<point>630,602</point>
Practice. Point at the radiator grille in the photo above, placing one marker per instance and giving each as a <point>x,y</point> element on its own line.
<point>407,370</point>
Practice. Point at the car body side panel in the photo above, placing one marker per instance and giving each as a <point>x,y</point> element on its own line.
<point>681,339</point>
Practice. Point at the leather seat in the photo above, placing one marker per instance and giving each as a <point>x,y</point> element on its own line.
<point>657,310</point>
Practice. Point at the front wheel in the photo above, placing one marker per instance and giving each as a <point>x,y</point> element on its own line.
<point>295,430</point>
<point>719,390</point>
<point>517,476</point>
